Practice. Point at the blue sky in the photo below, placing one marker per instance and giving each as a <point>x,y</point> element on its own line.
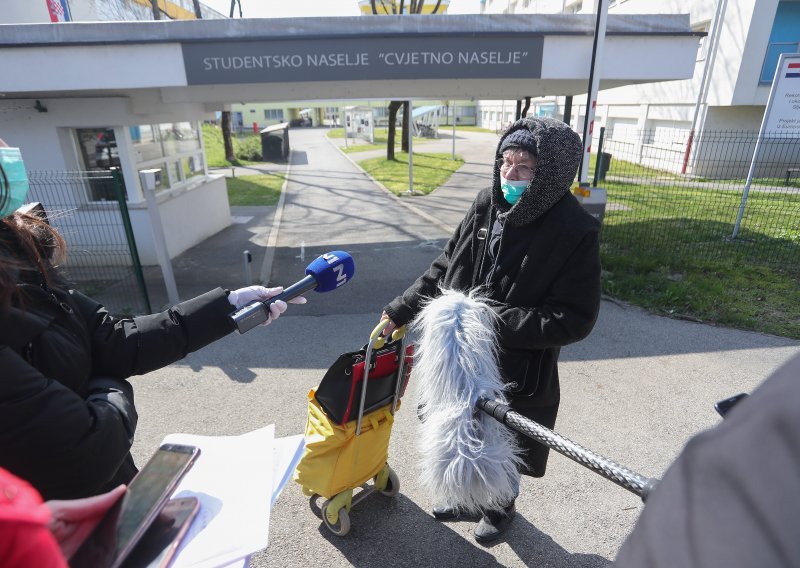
<point>296,8</point>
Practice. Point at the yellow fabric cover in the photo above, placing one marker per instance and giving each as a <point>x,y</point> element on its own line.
<point>335,459</point>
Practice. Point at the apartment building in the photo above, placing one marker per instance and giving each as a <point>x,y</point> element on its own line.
<point>739,58</point>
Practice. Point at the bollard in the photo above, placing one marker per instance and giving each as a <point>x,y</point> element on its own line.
<point>248,273</point>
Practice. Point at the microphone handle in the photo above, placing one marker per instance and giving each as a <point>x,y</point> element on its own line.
<point>256,313</point>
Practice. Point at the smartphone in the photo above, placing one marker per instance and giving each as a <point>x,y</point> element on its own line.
<point>157,547</point>
<point>724,406</point>
<point>125,523</point>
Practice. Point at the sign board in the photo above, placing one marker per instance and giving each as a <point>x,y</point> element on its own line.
<point>367,59</point>
<point>782,116</point>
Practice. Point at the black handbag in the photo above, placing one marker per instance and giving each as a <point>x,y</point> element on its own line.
<point>339,393</point>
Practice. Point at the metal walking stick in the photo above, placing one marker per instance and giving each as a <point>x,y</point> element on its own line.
<point>622,476</point>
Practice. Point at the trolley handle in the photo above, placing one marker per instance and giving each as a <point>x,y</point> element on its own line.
<point>376,341</point>
<point>377,334</point>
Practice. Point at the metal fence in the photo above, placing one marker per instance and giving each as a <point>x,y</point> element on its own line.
<point>90,212</point>
<point>679,218</point>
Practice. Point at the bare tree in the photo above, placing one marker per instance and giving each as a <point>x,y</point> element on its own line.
<point>226,136</point>
<point>156,10</point>
<point>197,12</point>
<point>414,7</point>
<point>394,106</point>
<point>227,140</point>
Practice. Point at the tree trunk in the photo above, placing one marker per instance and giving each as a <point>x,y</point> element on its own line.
<point>156,11</point>
<point>406,123</point>
<point>394,106</point>
<point>197,12</point>
<point>226,136</point>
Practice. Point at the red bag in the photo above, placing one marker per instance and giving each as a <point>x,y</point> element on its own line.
<point>339,393</point>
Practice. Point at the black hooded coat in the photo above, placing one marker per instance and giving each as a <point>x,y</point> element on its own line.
<point>545,278</point>
<point>67,415</point>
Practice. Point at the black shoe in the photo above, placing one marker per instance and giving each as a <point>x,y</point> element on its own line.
<point>444,512</point>
<point>494,524</point>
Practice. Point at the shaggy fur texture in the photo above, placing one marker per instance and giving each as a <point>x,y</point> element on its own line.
<point>469,460</point>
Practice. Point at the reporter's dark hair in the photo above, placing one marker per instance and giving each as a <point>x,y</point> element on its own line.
<point>27,245</point>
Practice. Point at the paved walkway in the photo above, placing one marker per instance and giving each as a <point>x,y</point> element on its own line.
<point>635,390</point>
<point>449,203</point>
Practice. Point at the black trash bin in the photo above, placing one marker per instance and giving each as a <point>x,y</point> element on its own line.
<point>275,142</point>
<point>603,163</point>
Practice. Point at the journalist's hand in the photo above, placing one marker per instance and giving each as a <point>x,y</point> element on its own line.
<point>244,296</point>
<point>72,521</point>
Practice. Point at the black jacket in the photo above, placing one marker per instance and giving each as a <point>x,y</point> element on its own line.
<point>67,416</point>
<point>546,282</point>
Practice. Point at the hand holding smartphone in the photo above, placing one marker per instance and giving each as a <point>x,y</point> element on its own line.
<point>159,544</point>
<point>127,521</point>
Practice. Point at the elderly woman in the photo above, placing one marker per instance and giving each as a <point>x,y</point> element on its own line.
<point>534,251</point>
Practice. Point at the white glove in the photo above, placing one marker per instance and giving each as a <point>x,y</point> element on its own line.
<point>243,296</point>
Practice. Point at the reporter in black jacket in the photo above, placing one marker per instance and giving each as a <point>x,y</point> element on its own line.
<point>535,251</point>
<point>67,415</point>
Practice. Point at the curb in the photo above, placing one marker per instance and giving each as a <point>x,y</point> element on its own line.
<point>428,217</point>
<point>269,253</point>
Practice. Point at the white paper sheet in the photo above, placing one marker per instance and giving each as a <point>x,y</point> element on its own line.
<point>287,454</point>
<point>232,478</point>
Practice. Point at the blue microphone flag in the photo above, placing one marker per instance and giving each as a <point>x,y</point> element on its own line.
<point>331,270</point>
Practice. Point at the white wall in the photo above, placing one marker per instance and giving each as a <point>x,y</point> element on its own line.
<point>735,70</point>
<point>743,39</point>
<point>24,12</point>
<point>37,133</point>
<point>91,68</point>
<point>188,217</point>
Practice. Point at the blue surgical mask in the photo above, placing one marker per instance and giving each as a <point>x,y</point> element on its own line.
<point>13,181</point>
<point>513,189</point>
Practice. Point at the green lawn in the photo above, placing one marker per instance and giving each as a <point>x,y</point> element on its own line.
<point>625,169</point>
<point>264,189</point>
<point>381,138</point>
<point>668,249</point>
<point>430,171</point>
<point>247,149</point>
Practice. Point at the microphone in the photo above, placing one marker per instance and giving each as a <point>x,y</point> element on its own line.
<point>327,272</point>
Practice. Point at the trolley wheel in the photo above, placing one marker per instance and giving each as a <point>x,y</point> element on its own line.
<point>313,503</point>
<point>342,526</point>
<point>392,485</point>
<point>387,481</point>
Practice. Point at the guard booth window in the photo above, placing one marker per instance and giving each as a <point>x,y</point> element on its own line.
<point>98,151</point>
<point>174,148</point>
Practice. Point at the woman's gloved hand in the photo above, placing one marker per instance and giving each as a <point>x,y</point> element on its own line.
<point>390,327</point>
<point>243,296</point>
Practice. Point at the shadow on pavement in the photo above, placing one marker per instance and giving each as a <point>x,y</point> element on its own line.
<point>410,533</point>
<point>537,549</point>
<point>299,158</point>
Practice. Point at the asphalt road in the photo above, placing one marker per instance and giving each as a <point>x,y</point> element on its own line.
<point>635,390</point>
